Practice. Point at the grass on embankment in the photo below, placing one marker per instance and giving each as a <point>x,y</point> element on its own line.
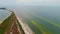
<point>21,29</point>
<point>4,27</point>
<point>6,24</point>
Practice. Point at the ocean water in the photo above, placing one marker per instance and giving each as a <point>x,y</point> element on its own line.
<point>3,15</point>
<point>41,19</point>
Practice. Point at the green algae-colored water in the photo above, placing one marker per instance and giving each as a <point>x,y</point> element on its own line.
<point>42,19</point>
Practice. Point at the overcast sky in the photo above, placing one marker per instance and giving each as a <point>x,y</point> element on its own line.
<point>30,2</point>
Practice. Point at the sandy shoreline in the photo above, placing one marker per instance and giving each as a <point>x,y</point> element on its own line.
<point>25,27</point>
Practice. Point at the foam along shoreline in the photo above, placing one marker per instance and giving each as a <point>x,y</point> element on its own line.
<point>25,27</point>
<point>1,20</point>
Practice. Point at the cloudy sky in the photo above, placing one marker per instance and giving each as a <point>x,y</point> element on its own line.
<point>30,2</point>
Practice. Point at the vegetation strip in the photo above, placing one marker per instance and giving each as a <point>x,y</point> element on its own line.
<point>4,26</point>
<point>21,29</point>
